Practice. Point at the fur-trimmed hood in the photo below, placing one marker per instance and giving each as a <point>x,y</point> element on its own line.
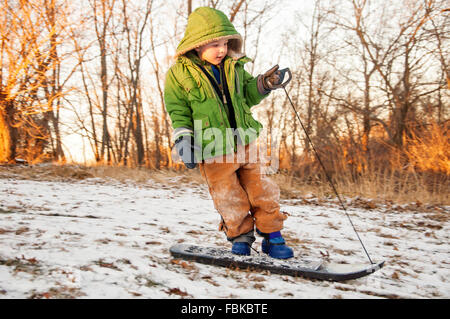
<point>206,25</point>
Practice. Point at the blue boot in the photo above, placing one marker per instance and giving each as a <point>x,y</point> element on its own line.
<point>240,248</point>
<point>274,245</point>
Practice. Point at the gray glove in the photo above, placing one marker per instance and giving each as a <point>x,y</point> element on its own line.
<point>186,149</point>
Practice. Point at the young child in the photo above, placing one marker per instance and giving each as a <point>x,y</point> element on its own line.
<point>208,96</point>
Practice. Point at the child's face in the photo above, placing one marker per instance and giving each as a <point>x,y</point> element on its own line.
<point>213,52</point>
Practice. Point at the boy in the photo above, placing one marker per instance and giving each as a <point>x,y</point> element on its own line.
<point>208,96</point>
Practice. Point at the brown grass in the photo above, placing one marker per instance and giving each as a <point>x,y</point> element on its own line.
<point>72,172</point>
<point>429,150</point>
<point>392,187</point>
<point>418,172</point>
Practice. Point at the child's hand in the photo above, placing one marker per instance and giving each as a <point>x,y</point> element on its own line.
<point>185,148</point>
<point>273,79</point>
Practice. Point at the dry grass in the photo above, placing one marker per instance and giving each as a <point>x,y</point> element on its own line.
<point>394,187</point>
<point>429,151</point>
<point>407,188</point>
<point>71,172</point>
<point>419,172</point>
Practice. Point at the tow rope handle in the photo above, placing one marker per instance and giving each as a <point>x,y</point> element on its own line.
<point>281,74</point>
<point>285,83</point>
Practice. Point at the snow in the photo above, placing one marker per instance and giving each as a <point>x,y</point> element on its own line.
<point>100,238</point>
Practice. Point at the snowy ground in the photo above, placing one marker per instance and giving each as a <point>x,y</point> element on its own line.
<point>104,239</point>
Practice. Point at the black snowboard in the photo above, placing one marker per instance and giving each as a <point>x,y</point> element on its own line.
<point>300,268</point>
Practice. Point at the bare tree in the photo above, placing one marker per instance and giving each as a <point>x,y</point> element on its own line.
<point>29,88</point>
<point>313,79</point>
<point>400,63</point>
<point>189,7</point>
<point>102,13</point>
<point>160,121</point>
<point>135,33</point>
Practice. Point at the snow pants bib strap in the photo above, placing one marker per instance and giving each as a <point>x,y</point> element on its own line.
<point>243,195</point>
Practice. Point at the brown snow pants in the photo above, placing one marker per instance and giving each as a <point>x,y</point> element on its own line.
<point>243,195</point>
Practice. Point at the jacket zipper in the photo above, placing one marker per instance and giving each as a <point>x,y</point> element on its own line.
<point>215,94</point>
<point>222,105</point>
<point>234,87</point>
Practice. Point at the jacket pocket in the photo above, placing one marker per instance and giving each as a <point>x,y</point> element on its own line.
<point>248,117</point>
<point>195,92</point>
<point>249,120</point>
<point>200,125</point>
<point>205,122</point>
<point>212,138</point>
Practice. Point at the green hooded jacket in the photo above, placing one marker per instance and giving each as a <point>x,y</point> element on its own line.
<point>191,101</point>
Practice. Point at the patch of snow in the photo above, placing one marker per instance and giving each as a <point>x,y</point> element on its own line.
<point>103,239</point>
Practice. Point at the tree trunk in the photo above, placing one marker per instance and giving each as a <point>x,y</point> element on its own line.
<point>8,133</point>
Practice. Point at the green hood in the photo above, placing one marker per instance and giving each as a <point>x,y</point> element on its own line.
<point>207,25</point>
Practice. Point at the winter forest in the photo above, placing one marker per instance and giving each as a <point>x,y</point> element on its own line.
<point>83,81</point>
<point>92,196</point>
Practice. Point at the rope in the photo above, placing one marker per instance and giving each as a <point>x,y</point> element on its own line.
<point>328,176</point>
